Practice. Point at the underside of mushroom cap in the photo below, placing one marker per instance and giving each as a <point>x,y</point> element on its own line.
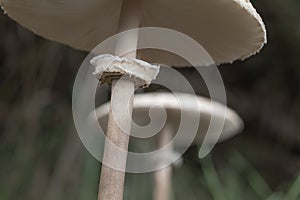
<point>229,30</point>
<point>175,105</point>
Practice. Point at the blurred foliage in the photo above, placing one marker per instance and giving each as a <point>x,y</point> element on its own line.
<point>41,156</point>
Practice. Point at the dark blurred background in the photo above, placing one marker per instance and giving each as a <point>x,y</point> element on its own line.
<point>41,156</point>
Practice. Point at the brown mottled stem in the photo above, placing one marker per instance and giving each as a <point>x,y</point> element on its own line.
<point>112,180</point>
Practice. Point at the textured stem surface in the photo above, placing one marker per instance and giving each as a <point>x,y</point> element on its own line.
<point>112,180</point>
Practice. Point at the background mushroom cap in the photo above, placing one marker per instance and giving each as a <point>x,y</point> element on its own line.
<point>229,30</point>
<point>233,124</point>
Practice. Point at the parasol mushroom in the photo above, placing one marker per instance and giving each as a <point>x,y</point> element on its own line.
<point>228,30</point>
<point>170,102</point>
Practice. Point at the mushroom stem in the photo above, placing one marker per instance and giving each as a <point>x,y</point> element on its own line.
<point>163,177</point>
<point>112,180</point>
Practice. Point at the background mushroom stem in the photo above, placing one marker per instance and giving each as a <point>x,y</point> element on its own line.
<point>163,177</point>
<point>112,180</point>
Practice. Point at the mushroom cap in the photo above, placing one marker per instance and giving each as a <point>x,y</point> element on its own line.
<point>227,29</point>
<point>174,105</point>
